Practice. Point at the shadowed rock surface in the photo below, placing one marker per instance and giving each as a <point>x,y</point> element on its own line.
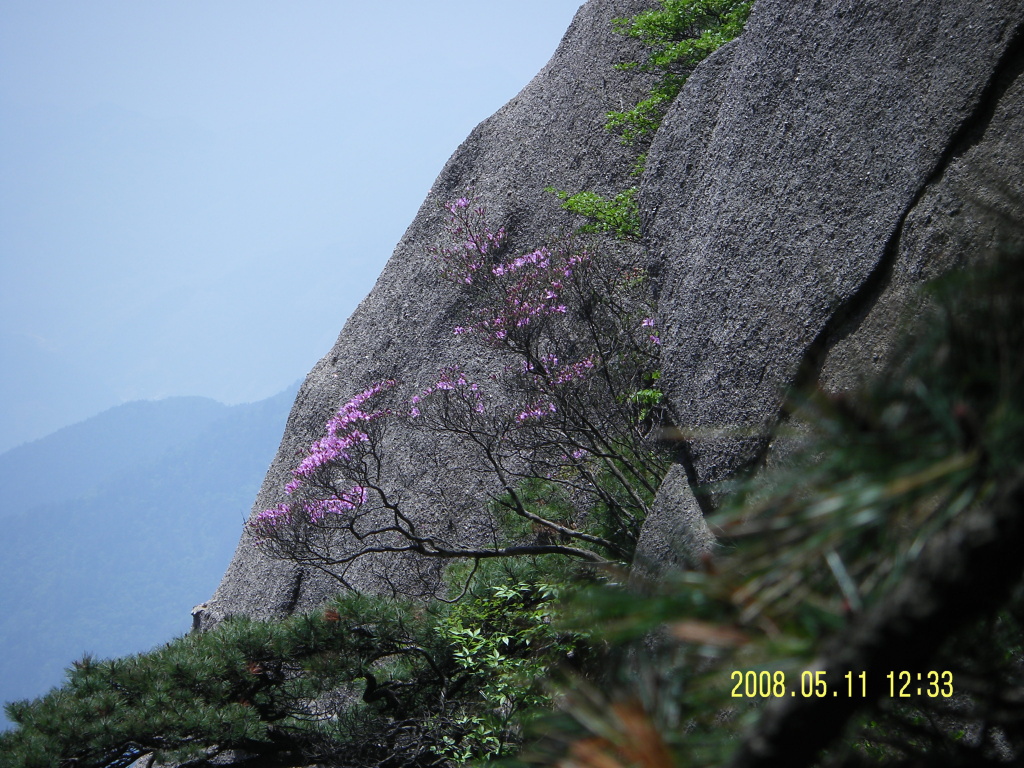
<point>675,535</point>
<point>780,181</point>
<point>810,177</point>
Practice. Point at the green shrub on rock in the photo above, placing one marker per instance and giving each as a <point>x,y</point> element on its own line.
<point>680,35</point>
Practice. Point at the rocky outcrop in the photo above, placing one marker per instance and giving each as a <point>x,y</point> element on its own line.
<point>809,176</point>
<point>552,133</point>
<point>780,183</point>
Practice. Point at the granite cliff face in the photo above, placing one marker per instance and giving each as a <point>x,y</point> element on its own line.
<point>552,133</point>
<point>810,174</point>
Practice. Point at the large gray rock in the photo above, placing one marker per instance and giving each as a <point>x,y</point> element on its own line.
<point>961,214</point>
<point>552,133</point>
<point>675,535</point>
<point>779,185</point>
<point>810,178</point>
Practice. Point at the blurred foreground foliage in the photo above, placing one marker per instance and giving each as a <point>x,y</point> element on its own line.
<point>887,541</point>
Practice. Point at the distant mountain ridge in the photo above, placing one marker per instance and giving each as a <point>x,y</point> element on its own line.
<point>72,461</point>
<point>115,527</point>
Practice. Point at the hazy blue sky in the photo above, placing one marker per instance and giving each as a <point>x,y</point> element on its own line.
<point>195,194</point>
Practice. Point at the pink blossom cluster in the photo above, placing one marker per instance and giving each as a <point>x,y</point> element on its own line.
<point>572,372</point>
<point>525,289</point>
<point>452,379</point>
<point>537,411</point>
<point>270,518</point>
<point>519,291</point>
<point>343,433</point>
<point>473,241</point>
<point>346,501</point>
<point>315,510</point>
<point>561,374</point>
<point>648,322</point>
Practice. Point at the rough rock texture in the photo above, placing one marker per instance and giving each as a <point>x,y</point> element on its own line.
<point>675,535</point>
<point>808,177</point>
<point>552,133</point>
<point>780,183</point>
<point>959,214</point>
<point>811,176</point>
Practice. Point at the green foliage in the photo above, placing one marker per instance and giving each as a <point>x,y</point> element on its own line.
<point>509,645</point>
<point>457,676</point>
<point>618,216</point>
<point>648,399</point>
<point>246,684</point>
<point>621,489</point>
<point>680,35</point>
